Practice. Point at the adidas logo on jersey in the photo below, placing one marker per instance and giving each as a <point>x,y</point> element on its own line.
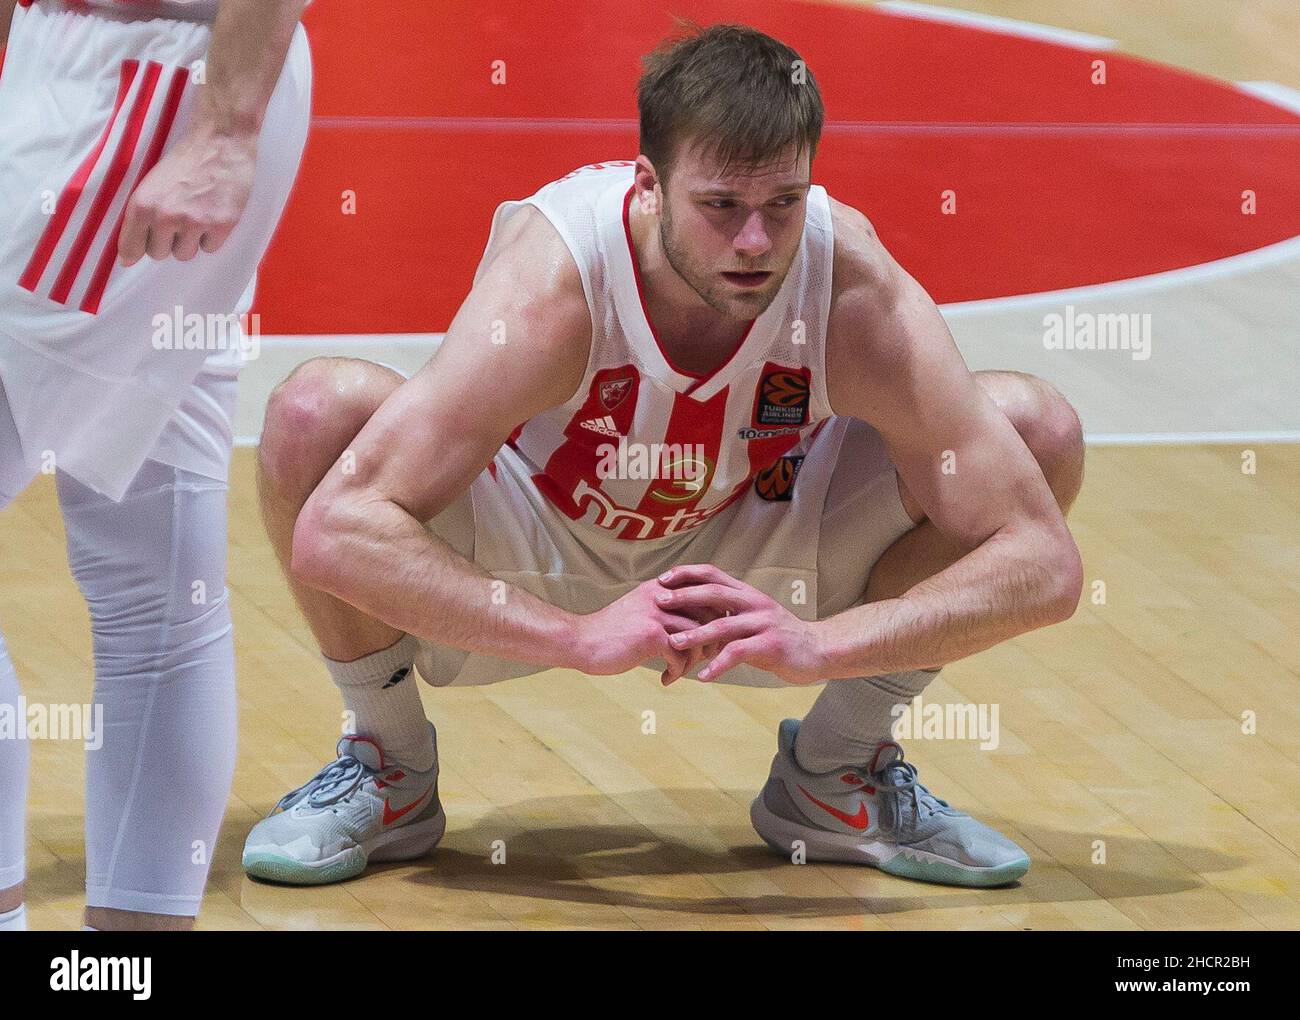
<point>605,426</point>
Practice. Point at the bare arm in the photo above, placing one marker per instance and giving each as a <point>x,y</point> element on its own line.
<point>196,194</point>
<point>250,40</point>
<point>6,16</point>
<point>361,535</point>
<point>892,362</point>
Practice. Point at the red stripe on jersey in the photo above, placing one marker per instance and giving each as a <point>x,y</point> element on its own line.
<point>672,501</point>
<point>609,408</point>
<point>112,183</point>
<point>99,282</point>
<point>71,195</point>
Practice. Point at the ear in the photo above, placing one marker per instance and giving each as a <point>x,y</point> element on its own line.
<point>647,185</point>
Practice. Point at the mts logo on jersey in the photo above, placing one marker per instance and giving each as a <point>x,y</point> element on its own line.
<point>782,397</point>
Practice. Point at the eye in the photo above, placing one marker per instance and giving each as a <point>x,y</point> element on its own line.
<point>785,201</point>
<point>718,203</point>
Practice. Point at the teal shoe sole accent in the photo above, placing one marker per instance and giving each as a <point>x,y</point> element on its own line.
<point>273,868</point>
<point>928,870</point>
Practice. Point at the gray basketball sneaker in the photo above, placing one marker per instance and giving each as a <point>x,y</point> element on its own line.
<point>359,809</point>
<point>878,814</point>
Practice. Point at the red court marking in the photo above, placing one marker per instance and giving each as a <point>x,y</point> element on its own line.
<point>1059,182</point>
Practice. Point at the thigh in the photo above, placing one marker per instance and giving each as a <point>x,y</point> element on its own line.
<point>812,526</point>
<point>865,513</point>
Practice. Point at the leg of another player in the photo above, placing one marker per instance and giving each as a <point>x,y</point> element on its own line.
<point>152,569</point>
<point>14,757</point>
<point>14,751</point>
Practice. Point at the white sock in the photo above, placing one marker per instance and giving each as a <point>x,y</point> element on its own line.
<point>850,718</point>
<point>14,920</point>
<point>381,692</point>
<point>86,927</point>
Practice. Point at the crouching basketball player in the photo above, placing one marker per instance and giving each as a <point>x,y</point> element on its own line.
<point>851,507</point>
<point>147,149</point>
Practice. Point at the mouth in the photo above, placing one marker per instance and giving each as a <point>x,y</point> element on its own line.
<point>747,279</point>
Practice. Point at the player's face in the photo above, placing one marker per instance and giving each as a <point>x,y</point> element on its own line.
<point>732,235</point>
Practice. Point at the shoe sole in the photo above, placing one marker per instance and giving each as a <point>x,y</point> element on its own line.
<point>404,843</point>
<point>904,862</point>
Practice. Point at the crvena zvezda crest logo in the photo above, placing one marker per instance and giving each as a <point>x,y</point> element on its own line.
<point>614,391</point>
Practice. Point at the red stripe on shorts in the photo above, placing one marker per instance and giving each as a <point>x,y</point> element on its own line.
<point>98,282</point>
<point>108,190</point>
<point>67,203</point>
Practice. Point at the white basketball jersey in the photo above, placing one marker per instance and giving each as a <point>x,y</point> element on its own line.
<point>188,10</point>
<point>645,450</point>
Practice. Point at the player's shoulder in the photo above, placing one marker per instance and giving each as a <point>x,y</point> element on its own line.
<point>529,264</point>
<point>867,286</point>
<point>861,268</point>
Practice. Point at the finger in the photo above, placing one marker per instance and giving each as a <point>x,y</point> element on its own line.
<point>187,244</point>
<point>697,573</point>
<point>162,238</point>
<point>733,655</point>
<point>214,238</point>
<point>134,236</point>
<point>721,631</point>
<point>678,664</point>
<point>716,597</point>
<point>675,623</point>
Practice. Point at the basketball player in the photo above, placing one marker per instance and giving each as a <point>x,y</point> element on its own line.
<point>146,152</point>
<point>841,500</point>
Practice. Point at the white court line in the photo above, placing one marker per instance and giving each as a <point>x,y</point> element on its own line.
<point>1272,254</point>
<point>996,24</point>
<point>1189,438</point>
<point>1273,92</point>
<point>317,341</point>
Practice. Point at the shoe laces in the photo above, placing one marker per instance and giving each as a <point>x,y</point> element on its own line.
<point>335,782</point>
<point>898,779</point>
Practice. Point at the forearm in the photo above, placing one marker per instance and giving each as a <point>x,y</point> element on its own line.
<point>250,40</point>
<point>6,18</point>
<point>1012,583</point>
<point>378,558</point>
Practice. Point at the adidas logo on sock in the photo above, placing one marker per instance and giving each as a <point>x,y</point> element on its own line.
<point>397,678</point>
<point>605,426</point>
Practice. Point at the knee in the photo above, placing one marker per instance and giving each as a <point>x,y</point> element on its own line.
<point>314,414</point>
<point>1050,427</point>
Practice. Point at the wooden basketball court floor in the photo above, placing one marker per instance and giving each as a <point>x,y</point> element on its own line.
<point>1127,763</point>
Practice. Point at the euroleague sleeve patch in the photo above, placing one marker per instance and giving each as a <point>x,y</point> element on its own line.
<point>776,483</point>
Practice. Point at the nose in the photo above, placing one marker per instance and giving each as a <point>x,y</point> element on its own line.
<point>753,240</point>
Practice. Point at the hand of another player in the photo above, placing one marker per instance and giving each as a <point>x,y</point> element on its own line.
<point>629,632</point>
<point>743,626</point>
<point>192,199</point>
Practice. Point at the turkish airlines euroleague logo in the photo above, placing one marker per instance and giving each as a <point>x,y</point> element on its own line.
<point>782,398</point>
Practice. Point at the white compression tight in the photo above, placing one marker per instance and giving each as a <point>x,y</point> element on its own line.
<point>153,572</point>
<point>14,476</point>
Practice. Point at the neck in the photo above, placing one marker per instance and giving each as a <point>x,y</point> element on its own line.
<point>696,336</point>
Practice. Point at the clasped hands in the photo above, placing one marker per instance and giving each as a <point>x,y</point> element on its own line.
<point>699,613</point>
